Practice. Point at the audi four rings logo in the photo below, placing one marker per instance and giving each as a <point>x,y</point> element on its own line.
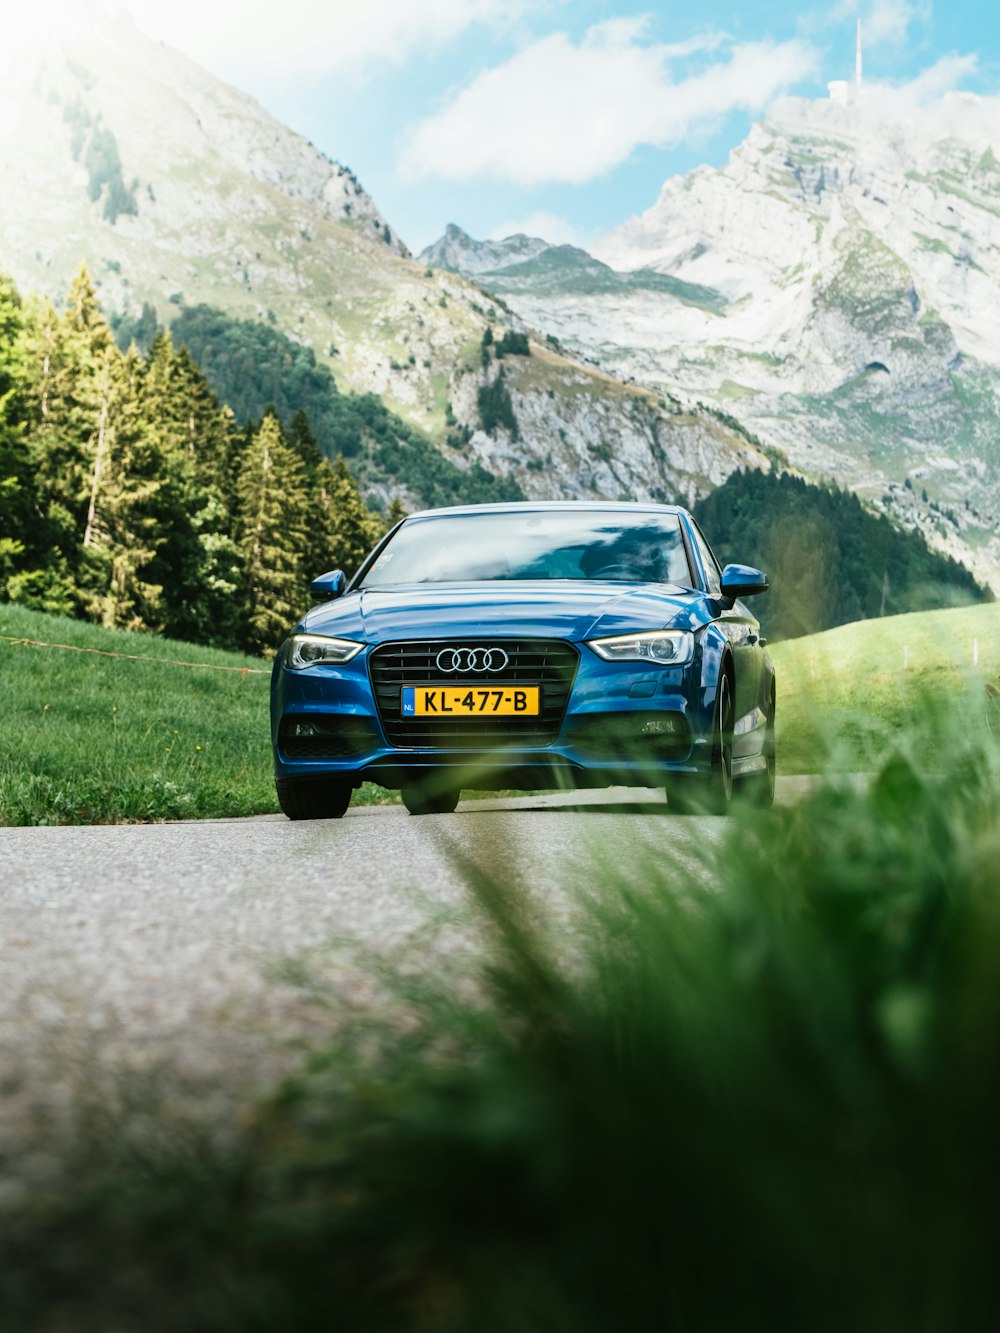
<point>472,659</point>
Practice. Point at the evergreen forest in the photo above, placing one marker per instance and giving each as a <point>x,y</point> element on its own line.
<point>829,559</point>
<point>130,495</point>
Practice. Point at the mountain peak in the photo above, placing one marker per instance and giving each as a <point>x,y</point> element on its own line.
<point>457,252</point>
<point>116,131</point>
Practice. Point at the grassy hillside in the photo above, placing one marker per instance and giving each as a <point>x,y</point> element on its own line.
<point>94,739</point>
<point>848,688</point>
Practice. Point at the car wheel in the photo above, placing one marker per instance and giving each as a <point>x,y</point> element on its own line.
<point>759,789</point>
<point>709,793</point>
<point>421,798</point>
<point>316,798</point>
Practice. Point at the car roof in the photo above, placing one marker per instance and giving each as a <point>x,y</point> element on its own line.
<point>549,506</point>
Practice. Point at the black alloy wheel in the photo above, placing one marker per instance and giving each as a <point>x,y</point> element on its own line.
<point>314,798</point>
<point>709,793</point>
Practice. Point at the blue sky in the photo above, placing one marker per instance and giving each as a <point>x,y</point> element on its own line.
<point>571,113</point>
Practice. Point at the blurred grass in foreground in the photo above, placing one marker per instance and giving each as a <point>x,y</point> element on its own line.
<point>758,1093</point>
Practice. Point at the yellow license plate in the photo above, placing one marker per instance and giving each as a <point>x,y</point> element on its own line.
<point>470,700</point>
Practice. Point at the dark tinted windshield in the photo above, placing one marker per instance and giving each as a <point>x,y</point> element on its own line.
<point>612,545</point>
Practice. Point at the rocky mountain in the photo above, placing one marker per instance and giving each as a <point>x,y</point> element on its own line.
<point>180,192</point>
<point>836,290</point>
<point>457,252</point>
<point>530,267</point>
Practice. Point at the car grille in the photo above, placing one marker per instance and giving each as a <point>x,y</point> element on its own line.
<point>327,736</point>
<point>549,663</point>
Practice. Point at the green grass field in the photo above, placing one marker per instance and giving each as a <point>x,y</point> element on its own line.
<point>89,738</point>
<point>94,739</point>
<point>845,694</point>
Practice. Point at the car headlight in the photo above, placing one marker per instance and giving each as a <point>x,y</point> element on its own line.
<point>306,650</point>
<point>663,647</point>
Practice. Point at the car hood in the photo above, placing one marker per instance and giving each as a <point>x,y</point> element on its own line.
<point>559,610</point>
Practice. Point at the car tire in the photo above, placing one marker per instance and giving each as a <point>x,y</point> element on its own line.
<point>709,793</point>
<point>758,789</point>
<point>313,798</point>
<point>422,799</point>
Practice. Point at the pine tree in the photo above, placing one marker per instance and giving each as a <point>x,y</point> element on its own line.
<point>96,472</point>
<point>395,513</point>
<point>199,563</point>
<point>273,536</point>
<point>206,425</point>
<point>163,397</point>
<point>15,465</point>
<point>128,494</point>
<point>67,386</point>
<point>32,568</point>
<point>122,533</point>
<point>83,313</point>
<point>60,371</point>
<point>183,410</point>
<point>304,442</point>
<point>11,328</point>
<point>343,528</point>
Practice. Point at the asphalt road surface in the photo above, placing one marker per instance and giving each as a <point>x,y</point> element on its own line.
<point>196,961</point>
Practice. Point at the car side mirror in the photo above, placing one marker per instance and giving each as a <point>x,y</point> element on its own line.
<point>742,581</point>
<point>329,586</point>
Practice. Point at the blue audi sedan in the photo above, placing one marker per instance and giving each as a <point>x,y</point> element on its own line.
<point>525,646</point>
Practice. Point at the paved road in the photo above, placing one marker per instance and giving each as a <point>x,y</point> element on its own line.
<point>193,960</point>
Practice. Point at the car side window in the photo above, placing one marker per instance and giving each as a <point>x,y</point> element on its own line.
<point>710,564</point>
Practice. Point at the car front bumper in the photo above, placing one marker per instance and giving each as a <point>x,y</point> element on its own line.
<point>625,723</point>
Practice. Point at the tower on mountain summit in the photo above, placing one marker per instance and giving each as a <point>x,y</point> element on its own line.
<point>840,90</point>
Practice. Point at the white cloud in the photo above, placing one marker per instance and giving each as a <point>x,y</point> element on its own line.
<point>945,76</point>
<point>549,226</point>
<point>310,36</point>
<point>934,104</point>
<point>298,38</point>
<point>889,21</point>
<point>935,93</point>
<point>560,111</point>
<point>27,29</point>
<point>882,21</point>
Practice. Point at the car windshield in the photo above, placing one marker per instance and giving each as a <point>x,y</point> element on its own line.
<point>614,545</point>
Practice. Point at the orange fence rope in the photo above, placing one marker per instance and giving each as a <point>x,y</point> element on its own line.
<point>137,657</point>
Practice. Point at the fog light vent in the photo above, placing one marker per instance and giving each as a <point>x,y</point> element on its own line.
<point>329,736</point>
<point>661,726</point>
<point>635,737</point>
